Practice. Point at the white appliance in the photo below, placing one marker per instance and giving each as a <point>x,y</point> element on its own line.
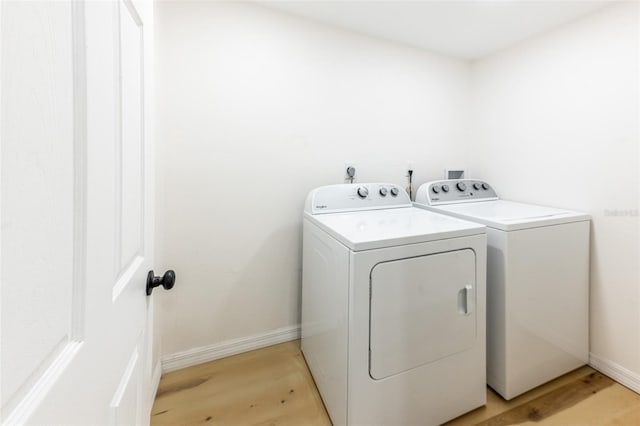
<point>393,307</point>
<point>537,283</point>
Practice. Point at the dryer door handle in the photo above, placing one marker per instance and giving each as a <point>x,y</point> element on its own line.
<point>466,301</point>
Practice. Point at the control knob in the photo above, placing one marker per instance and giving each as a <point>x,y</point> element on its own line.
<point>383,192</point>
<point>394,192</point>
<point>461,186</point>
<point>435,189</point>
<point>445,188</point>
<point>363,192</point>
<point>485,186</point>
<point>476,186</point>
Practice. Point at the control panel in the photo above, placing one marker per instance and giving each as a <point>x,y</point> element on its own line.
<point>454,191</point>
<point>354,197</point>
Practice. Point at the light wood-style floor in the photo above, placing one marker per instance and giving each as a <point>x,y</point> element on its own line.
<point>273,386</point>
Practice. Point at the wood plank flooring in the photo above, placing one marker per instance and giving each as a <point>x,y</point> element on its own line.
<point>273,386</point>
<point>270,386</point>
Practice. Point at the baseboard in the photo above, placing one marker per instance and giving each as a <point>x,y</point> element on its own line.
<point>617,372</point>
<point>227,348</point>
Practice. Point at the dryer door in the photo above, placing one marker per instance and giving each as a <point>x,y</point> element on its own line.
<point>421,309</point>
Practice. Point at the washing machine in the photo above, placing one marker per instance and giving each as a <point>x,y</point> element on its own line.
<point>393,307</point>
<point>537,282</point>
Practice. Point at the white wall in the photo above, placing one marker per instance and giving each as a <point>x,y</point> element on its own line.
<point>556,122</point>
<point>256,108</point>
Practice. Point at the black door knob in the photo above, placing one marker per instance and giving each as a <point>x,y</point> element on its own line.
<point>167,281</point>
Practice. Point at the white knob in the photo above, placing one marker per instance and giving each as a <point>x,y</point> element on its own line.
<point>363,192</point>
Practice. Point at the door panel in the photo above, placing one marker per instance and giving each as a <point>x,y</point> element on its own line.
<point>131,144</point>
<point>124,404</point>
<point>76,212</point>
<point>129,310</point>
<point>422,309</point>
<point>38,193</point>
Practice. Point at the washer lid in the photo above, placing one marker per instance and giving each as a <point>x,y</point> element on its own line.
<point>372,229</point>
<point>511,216</point>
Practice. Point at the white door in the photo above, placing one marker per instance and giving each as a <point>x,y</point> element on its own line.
<point>76,212</point>
<point>422,310</point>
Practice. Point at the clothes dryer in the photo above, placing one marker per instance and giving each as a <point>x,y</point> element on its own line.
<point>393,307</point>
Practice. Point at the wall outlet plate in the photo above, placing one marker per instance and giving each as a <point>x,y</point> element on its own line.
<point>350,171</point>
<point>409,167</point>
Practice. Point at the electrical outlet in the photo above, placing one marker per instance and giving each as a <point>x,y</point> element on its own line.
<point>409,167</point>
<point>350,172</point>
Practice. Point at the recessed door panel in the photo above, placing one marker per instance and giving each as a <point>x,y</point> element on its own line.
<point>39,194</point>
<point>130,173</point>
<point>422,309</point>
